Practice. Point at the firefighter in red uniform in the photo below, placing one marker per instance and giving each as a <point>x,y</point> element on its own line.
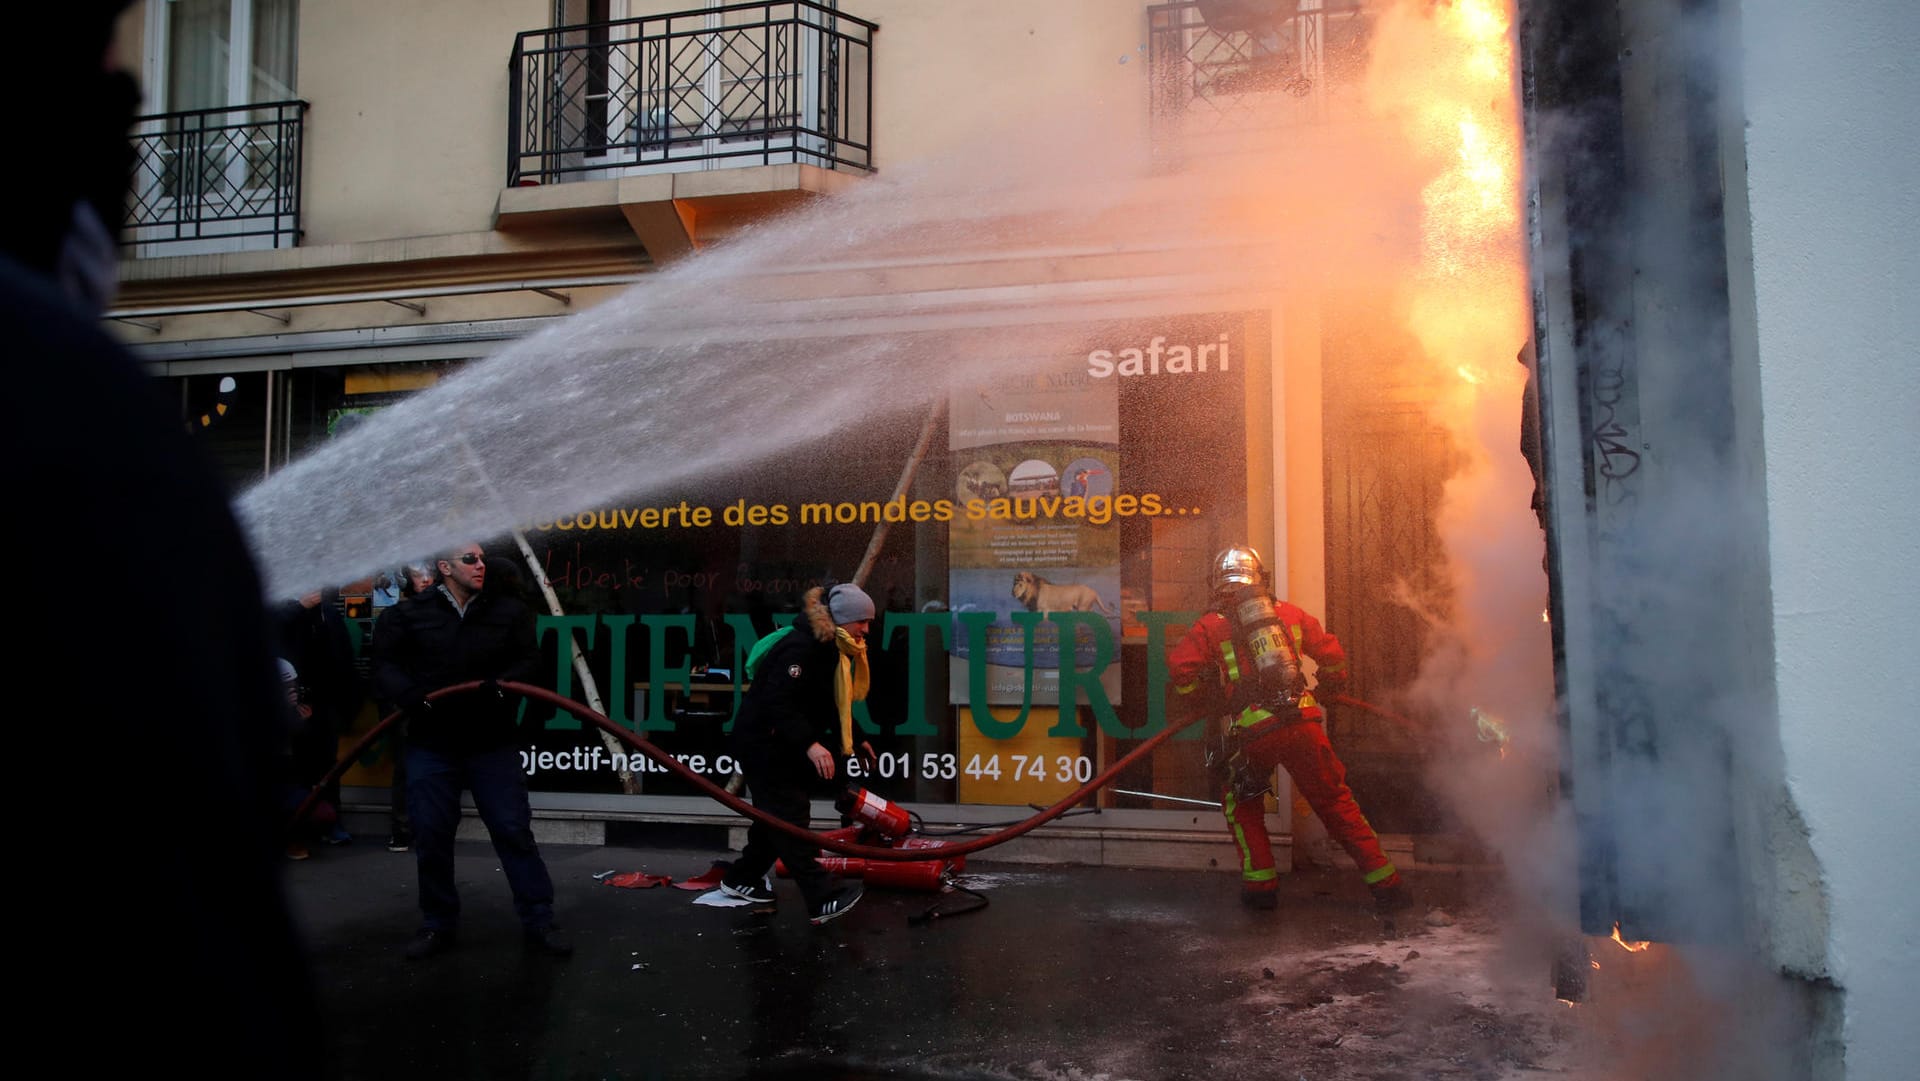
<point>1241,660</point>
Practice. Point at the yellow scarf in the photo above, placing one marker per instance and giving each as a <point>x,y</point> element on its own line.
<point>849,683</point>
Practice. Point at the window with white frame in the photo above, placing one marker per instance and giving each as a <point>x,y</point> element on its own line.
<point>215,166</point>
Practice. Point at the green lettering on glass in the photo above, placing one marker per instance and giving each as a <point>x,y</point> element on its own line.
<point>619,702</point>
<point>564,720</point>
<point>745,637</point>
<point>1156,624</point>
<point>916,624</point>
<point>658,674</point>
<point>1073,680</point>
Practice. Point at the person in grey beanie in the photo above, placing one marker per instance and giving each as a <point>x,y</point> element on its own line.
<point>794,727</point>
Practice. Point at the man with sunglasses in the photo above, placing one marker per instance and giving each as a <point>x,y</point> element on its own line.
<point>457,632</point>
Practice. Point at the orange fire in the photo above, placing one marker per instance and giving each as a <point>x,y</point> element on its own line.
<point>1449,78</point>
<point>1445,73</point>
<point>1630,947</point>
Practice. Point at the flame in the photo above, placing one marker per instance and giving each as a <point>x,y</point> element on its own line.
<point>1444,74</point>
<point>1472,303</point>
<point>1630,947</point>
<point>1595,964</point>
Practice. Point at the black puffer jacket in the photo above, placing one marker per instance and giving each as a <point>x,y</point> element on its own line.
<point>423,644</point>
<point>789,706</point>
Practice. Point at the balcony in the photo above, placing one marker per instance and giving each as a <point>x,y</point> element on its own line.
<point>216,180</point>
<point>1229,66</point>
<point>741,85</point>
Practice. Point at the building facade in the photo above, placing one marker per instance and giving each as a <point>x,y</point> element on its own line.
<point>297,264</point>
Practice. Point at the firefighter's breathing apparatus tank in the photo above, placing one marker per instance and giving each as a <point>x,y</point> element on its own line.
<point>1239,585</point>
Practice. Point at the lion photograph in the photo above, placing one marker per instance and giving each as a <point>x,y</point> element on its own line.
<point>1040,595</point>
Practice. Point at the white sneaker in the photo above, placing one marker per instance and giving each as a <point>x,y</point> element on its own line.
<point>754,894</point>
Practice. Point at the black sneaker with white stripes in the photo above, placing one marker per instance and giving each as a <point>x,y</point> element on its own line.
<point>838,903</point>
<point>755,893</point>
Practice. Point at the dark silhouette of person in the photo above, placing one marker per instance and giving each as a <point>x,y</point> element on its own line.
<point>415,578</point>
<point>201,972</point>
<point>313,635</point>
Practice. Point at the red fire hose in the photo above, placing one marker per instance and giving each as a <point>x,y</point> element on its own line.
<point>674,766</point>
<point>1349,700</point>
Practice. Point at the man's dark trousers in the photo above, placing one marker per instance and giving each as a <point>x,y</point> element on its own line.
<point>434,781</point>
<point>787,802</point>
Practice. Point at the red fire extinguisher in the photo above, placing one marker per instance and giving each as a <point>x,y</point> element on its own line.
<point>928,875</point>
<point>889,820</point>
<point>956,863</point>
<point>881,821</point>
<point>919,875</point>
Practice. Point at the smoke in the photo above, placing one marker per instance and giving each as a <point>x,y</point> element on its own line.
<point>1442,77</point>
<point>1670,792</point>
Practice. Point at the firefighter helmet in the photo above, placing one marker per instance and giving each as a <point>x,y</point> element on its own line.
<point>1237,566</point>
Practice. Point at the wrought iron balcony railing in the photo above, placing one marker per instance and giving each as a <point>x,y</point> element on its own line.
<point>216,179</point>
<point>1219,65</point>
<point>745,84</point>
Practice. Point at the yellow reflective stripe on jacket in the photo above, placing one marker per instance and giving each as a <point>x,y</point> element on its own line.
<point>1233,663</point>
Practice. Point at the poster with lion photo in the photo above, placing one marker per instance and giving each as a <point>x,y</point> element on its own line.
<point>1035,461</point>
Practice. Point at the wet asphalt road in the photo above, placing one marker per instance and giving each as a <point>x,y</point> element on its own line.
<point>1068,973</point>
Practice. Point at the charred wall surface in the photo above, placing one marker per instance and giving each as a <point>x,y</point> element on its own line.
<point>1656,493</point>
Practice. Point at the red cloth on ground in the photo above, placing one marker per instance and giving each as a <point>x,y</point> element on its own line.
<point>637,880</point>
